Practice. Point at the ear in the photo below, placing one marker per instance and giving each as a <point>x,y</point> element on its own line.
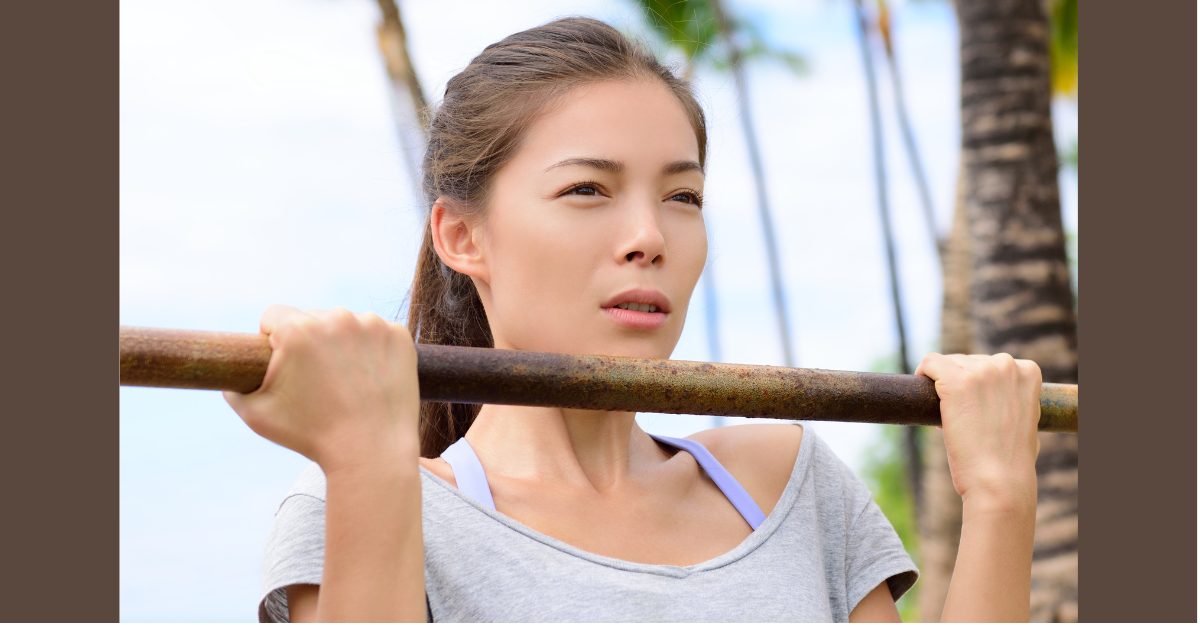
<point>457,241</point>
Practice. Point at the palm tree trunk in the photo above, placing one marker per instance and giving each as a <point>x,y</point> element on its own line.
<point>910,142</point>
<point>408,100</point>
<point>760,183</point>
<point>1020,287</point>
<point>940,519</point>
<point>912,446</point>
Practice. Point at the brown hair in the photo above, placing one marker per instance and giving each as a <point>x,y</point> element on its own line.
<point>476,130</point>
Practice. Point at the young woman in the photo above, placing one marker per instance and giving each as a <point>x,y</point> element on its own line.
<point>565,171</point>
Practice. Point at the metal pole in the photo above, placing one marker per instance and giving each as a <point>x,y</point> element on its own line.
<point>470,375</point>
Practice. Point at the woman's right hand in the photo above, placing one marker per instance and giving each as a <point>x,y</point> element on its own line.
<point>340,388</point>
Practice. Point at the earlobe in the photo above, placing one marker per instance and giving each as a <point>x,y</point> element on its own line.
<point>456,241</point>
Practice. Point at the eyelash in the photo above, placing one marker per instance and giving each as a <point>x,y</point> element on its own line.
<point>694,196</point>
<point>596,186</point>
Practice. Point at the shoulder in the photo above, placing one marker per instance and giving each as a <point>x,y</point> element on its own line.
<point>440,468</point>
<point>761,456</point>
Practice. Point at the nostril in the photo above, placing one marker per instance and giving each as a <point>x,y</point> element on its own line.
<point>633,255</point>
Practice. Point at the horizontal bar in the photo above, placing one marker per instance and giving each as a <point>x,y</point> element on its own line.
<point>468,375</point>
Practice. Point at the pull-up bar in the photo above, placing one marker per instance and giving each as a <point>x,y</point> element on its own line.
<point>237,362</point>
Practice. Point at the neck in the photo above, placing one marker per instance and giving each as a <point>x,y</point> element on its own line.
<point>600,448</point>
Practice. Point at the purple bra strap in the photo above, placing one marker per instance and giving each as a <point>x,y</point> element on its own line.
<point>472,481</point>
<point>724,480</point>
<point>468,472</point>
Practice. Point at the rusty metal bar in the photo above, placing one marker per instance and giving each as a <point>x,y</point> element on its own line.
<point>238,362</point>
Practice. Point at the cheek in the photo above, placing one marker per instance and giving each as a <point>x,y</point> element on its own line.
<point>690,251</point>
<point>541,270</point>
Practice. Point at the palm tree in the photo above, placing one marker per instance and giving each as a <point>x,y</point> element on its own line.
<point>1007,285</point>
<point>910,142</point>
<point>704,33</point>
<point>912,450</point>
<point>408,100</point>
<point>940,517</point>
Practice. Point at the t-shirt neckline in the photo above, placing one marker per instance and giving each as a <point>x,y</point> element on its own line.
<point>748,545</point>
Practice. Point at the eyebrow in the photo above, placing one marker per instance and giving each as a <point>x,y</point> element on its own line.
<point>616,167</point>
<point>678,167</point>
<point>603,164</point>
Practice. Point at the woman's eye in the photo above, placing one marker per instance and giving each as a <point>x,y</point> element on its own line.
<point>687,198</point>
<point>583,189</point>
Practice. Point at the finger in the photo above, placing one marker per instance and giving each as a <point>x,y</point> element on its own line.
<point>937,366</point>
<point>273,315</point>
<point>235,400</point>
<point>964,361</point>
<point>1006,365</point>
<point>1030,369</point>
<point>371,320</point>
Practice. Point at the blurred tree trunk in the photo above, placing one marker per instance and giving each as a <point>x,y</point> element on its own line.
<point>912,441</point>
<point>737,67</point>
<point>906,131</point>
<point>408,100</point>
<point>940,519</point>
<point>1019,296</point>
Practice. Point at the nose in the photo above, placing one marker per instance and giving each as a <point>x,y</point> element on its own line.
<point>644,244</point>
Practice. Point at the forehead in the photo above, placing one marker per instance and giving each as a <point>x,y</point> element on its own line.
<point>635,121</point>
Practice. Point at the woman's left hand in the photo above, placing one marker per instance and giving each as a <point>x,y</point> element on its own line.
<point>990,411</point>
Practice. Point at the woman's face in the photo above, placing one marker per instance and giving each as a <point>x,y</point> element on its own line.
<point>593,238</point>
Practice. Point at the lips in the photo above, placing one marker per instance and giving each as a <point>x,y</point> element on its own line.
<point>642,309</point>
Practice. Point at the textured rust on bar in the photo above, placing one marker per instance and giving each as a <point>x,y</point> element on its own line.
<point>483,376</point>
<point>220,361</point>
<point>225,361</point>
<point>1060,408</point>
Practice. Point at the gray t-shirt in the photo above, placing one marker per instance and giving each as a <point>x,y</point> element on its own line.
<point>820,551</point>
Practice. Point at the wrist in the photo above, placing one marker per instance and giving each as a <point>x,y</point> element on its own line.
<point>370,452</point>
<point>1008,498</point>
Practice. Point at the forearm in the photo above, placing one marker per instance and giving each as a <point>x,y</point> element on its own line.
<point>374,555</point>
<point>992,574</point>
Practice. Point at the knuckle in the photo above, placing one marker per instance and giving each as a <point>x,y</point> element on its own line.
<point>291,328</point>
<point>1030,369</point>
<point>402,332</point>
<point>372,322</point>
<point>341,319</point>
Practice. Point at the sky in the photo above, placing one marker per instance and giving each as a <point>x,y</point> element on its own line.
<point>260,164</point>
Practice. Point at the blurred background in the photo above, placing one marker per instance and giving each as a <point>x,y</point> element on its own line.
<point>267,156</point>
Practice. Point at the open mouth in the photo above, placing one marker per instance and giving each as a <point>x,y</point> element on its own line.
<point>637,307</point>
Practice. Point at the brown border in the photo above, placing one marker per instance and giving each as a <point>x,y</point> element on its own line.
<point>1138,322</point>
<point>59,444</point>
<point>59,448</point>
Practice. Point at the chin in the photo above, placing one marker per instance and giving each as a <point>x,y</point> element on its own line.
<point>644,348</point>
<point>654,344</point>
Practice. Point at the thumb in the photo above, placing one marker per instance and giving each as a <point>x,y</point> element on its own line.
<point>236,400</point>
<point>937,366</point>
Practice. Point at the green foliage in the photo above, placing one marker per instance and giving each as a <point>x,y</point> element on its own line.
<point>693,27</point>
<point>690,26</point>
<point>886,474</point>
<point>1064,45</point>
<point>1069,157</point>
<point>887,477</point>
